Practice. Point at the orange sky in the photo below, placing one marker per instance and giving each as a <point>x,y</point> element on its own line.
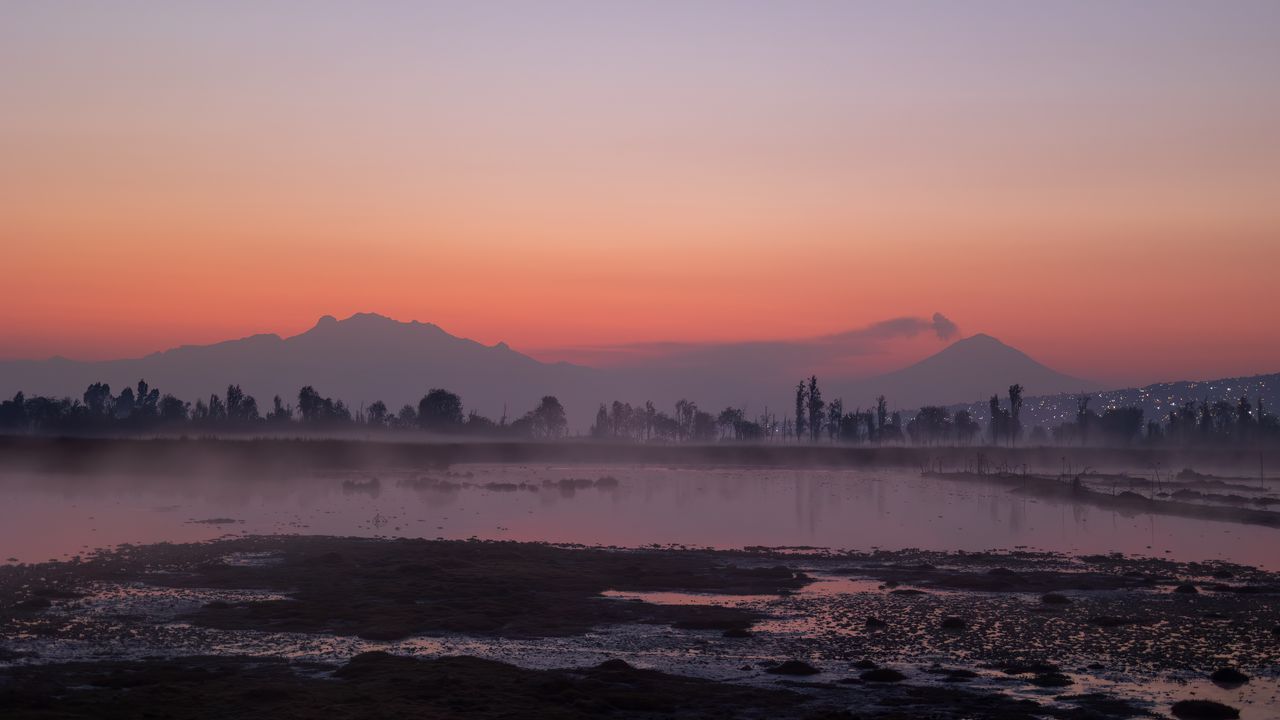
<point>1101,191</point>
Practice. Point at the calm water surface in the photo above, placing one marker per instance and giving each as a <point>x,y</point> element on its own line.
<point>45,517</point>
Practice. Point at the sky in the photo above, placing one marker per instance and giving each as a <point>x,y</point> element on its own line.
<point>1095,183</point>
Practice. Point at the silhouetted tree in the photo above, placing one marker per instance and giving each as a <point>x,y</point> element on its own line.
<point>407,417</point>
<point>730,422</point>
<point>620,419</point>
<point>551,417</point>
<point>241,409</point>
<point>800,423</point>
<point>122,406</point>
<point>440,411</point>
<point>1182,423</point>
<point>478,424</point>
<point>893,431</point>
<point>376,415</point>
<point>146,404</point>
<point>317,409</point>
<point>835,417</point>
<point>851,427</point>
<point>602,427</point>
<point>1121,425</point>
<point>882,413</point>
<point>172,410</point>
<point>46,414</point>
<point>994,405</point>
<point>665,427</point>
<point>279,413</point>
<point>217,409</point>
<point>966,428</point>
<point>310,404</point>
<point>815,409</point>
<point>704,426</point>
<point>768,424</point>
<point>1001,421</point>
<point>686,411</point>
<point>235,402</point>
<point>1224,419</point>
<point>545,421</point>
<point>98,399</point>
<point>748,431</point>
<point>1015,413</point>
<point>932,425</point>
<point>13,413</point>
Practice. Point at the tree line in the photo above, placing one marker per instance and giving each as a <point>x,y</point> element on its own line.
<point>815,419</point>
<point>1219,422</point>
<point>142,408</point>
<point>1194,423</point>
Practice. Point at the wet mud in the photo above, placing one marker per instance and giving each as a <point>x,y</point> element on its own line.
<point>764,633</point>
<point>1138,496</point>
<point>387,590</point>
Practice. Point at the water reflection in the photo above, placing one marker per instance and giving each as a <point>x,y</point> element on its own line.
<point>49,516</point>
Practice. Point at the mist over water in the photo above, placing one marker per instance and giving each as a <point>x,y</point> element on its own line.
<point>56,516</point>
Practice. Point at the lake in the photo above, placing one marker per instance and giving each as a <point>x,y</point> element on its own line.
<point>48,516</point>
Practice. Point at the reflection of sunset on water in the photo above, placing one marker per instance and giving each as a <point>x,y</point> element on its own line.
<point>722,508</point>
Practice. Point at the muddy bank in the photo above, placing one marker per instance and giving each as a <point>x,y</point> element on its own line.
<point>1003,579</point>
<point>1126,501</point>
<point>1129,501</point>
<point>386,590</point>
<point>1033,572</point>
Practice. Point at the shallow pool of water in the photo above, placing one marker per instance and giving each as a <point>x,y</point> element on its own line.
<point>45,517</point>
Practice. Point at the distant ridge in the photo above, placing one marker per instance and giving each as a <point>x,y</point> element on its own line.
<point>363,358</point>
<point>369,357</point>
<point>968,370</point>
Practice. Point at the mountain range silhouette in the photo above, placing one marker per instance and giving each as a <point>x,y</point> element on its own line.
<point>369,357</point>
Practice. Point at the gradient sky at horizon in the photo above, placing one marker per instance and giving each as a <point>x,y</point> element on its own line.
<point>1097,184</point>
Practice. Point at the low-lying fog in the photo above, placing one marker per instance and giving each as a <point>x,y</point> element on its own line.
<point>49,516</point>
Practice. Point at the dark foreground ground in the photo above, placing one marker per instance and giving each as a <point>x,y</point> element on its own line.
<point>302,627</point>
<point>380,685</point>
<point>370,685</point>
